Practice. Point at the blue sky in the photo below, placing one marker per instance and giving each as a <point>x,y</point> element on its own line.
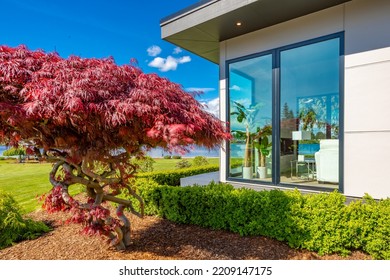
<point>122,29</point>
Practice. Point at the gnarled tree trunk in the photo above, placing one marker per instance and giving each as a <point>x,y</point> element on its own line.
<point>101,186</point>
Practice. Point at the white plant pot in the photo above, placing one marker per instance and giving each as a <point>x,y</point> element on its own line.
<point>247,173</point>
<point>262,171</point>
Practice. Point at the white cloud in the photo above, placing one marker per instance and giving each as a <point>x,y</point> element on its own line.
<point>154,50</point>
<point>184,59</point>
<point>157,62</point>
<point>169,63</point>
<point>177,50</point>
<point>204,90</point>
<point>235,87</point>
<point>211,106</point>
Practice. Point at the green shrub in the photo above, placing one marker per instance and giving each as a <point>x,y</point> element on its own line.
<point>144,164</point>
<point>323,223</point>
<point>172,177</point>
<point>200,161</point>
<point>184,163</point>
<point>167,157</point>
<point>176,157</point>
<point>331,226</point>
<point>14,152</point>
<point>149,191</point>
<point>374,227</point>
<point>13,226</point>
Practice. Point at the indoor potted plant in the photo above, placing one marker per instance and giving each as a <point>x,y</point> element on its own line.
<point>263,144</point>
<point>246,117</point>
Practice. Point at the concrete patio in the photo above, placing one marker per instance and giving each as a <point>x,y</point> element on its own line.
<point>201,179</point>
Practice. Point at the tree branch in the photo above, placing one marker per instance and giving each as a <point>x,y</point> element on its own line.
<point>126,203</point>
<point>97,177</point>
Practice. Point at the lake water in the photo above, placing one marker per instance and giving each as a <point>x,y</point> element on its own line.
<point>2,149</point>
<point>156,153</point>
<point>197,151</point>
<point>236,150</point>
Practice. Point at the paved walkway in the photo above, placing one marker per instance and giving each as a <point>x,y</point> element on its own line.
<point>201,179</point>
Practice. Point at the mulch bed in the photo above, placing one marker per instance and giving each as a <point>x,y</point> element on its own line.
<point>154,238</point>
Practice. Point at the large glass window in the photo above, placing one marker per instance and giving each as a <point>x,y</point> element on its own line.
<point>309,121</point>
<point>304,83</point>
<point>250,87</point>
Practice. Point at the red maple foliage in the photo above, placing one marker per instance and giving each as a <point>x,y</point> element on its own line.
<point>90,116</point>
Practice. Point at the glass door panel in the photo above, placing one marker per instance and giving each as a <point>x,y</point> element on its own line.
<point>309,114</point>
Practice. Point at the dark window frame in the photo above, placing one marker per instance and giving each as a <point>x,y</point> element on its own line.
<point>276,113</point>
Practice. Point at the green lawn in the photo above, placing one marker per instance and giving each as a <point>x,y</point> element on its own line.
<point>169,164</point>
<point>25,182</point>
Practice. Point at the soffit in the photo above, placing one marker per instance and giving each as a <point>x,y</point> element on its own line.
<point>201,28</point>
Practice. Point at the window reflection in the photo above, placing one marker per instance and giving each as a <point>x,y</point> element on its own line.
<point>309,94</point>
<point>309,100</point>
<point>250,88</point>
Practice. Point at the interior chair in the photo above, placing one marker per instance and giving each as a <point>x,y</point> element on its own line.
<point>327,161</point>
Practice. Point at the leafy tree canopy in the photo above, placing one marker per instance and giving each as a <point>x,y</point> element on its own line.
<point>90,116</point>
<point>92,106</point>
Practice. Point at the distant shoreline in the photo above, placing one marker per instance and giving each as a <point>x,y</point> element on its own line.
<point>187,157</point>
<point>160,153</point>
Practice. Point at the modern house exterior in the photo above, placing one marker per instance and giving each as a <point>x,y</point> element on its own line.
<point>304,87</point>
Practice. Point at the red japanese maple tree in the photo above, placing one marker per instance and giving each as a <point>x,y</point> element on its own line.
<point>90,116</point>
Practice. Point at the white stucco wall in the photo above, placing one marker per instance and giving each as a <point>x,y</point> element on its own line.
<point>366,24</point>
<point>367,98</point>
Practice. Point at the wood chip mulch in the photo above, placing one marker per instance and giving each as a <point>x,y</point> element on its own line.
<point>154,238</point>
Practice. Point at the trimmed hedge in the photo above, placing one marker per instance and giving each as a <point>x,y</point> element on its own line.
<point>172,177</point>
<point>13,227</point>
<point>317,222</point>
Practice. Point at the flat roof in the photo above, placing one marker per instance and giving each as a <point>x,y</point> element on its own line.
<point>200,27</point>
<point>186,10</point>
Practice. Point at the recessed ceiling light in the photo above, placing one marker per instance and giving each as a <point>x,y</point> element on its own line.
<point>238,23</point>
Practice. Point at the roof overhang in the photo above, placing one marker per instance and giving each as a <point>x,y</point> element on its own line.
<point>201,27</point>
